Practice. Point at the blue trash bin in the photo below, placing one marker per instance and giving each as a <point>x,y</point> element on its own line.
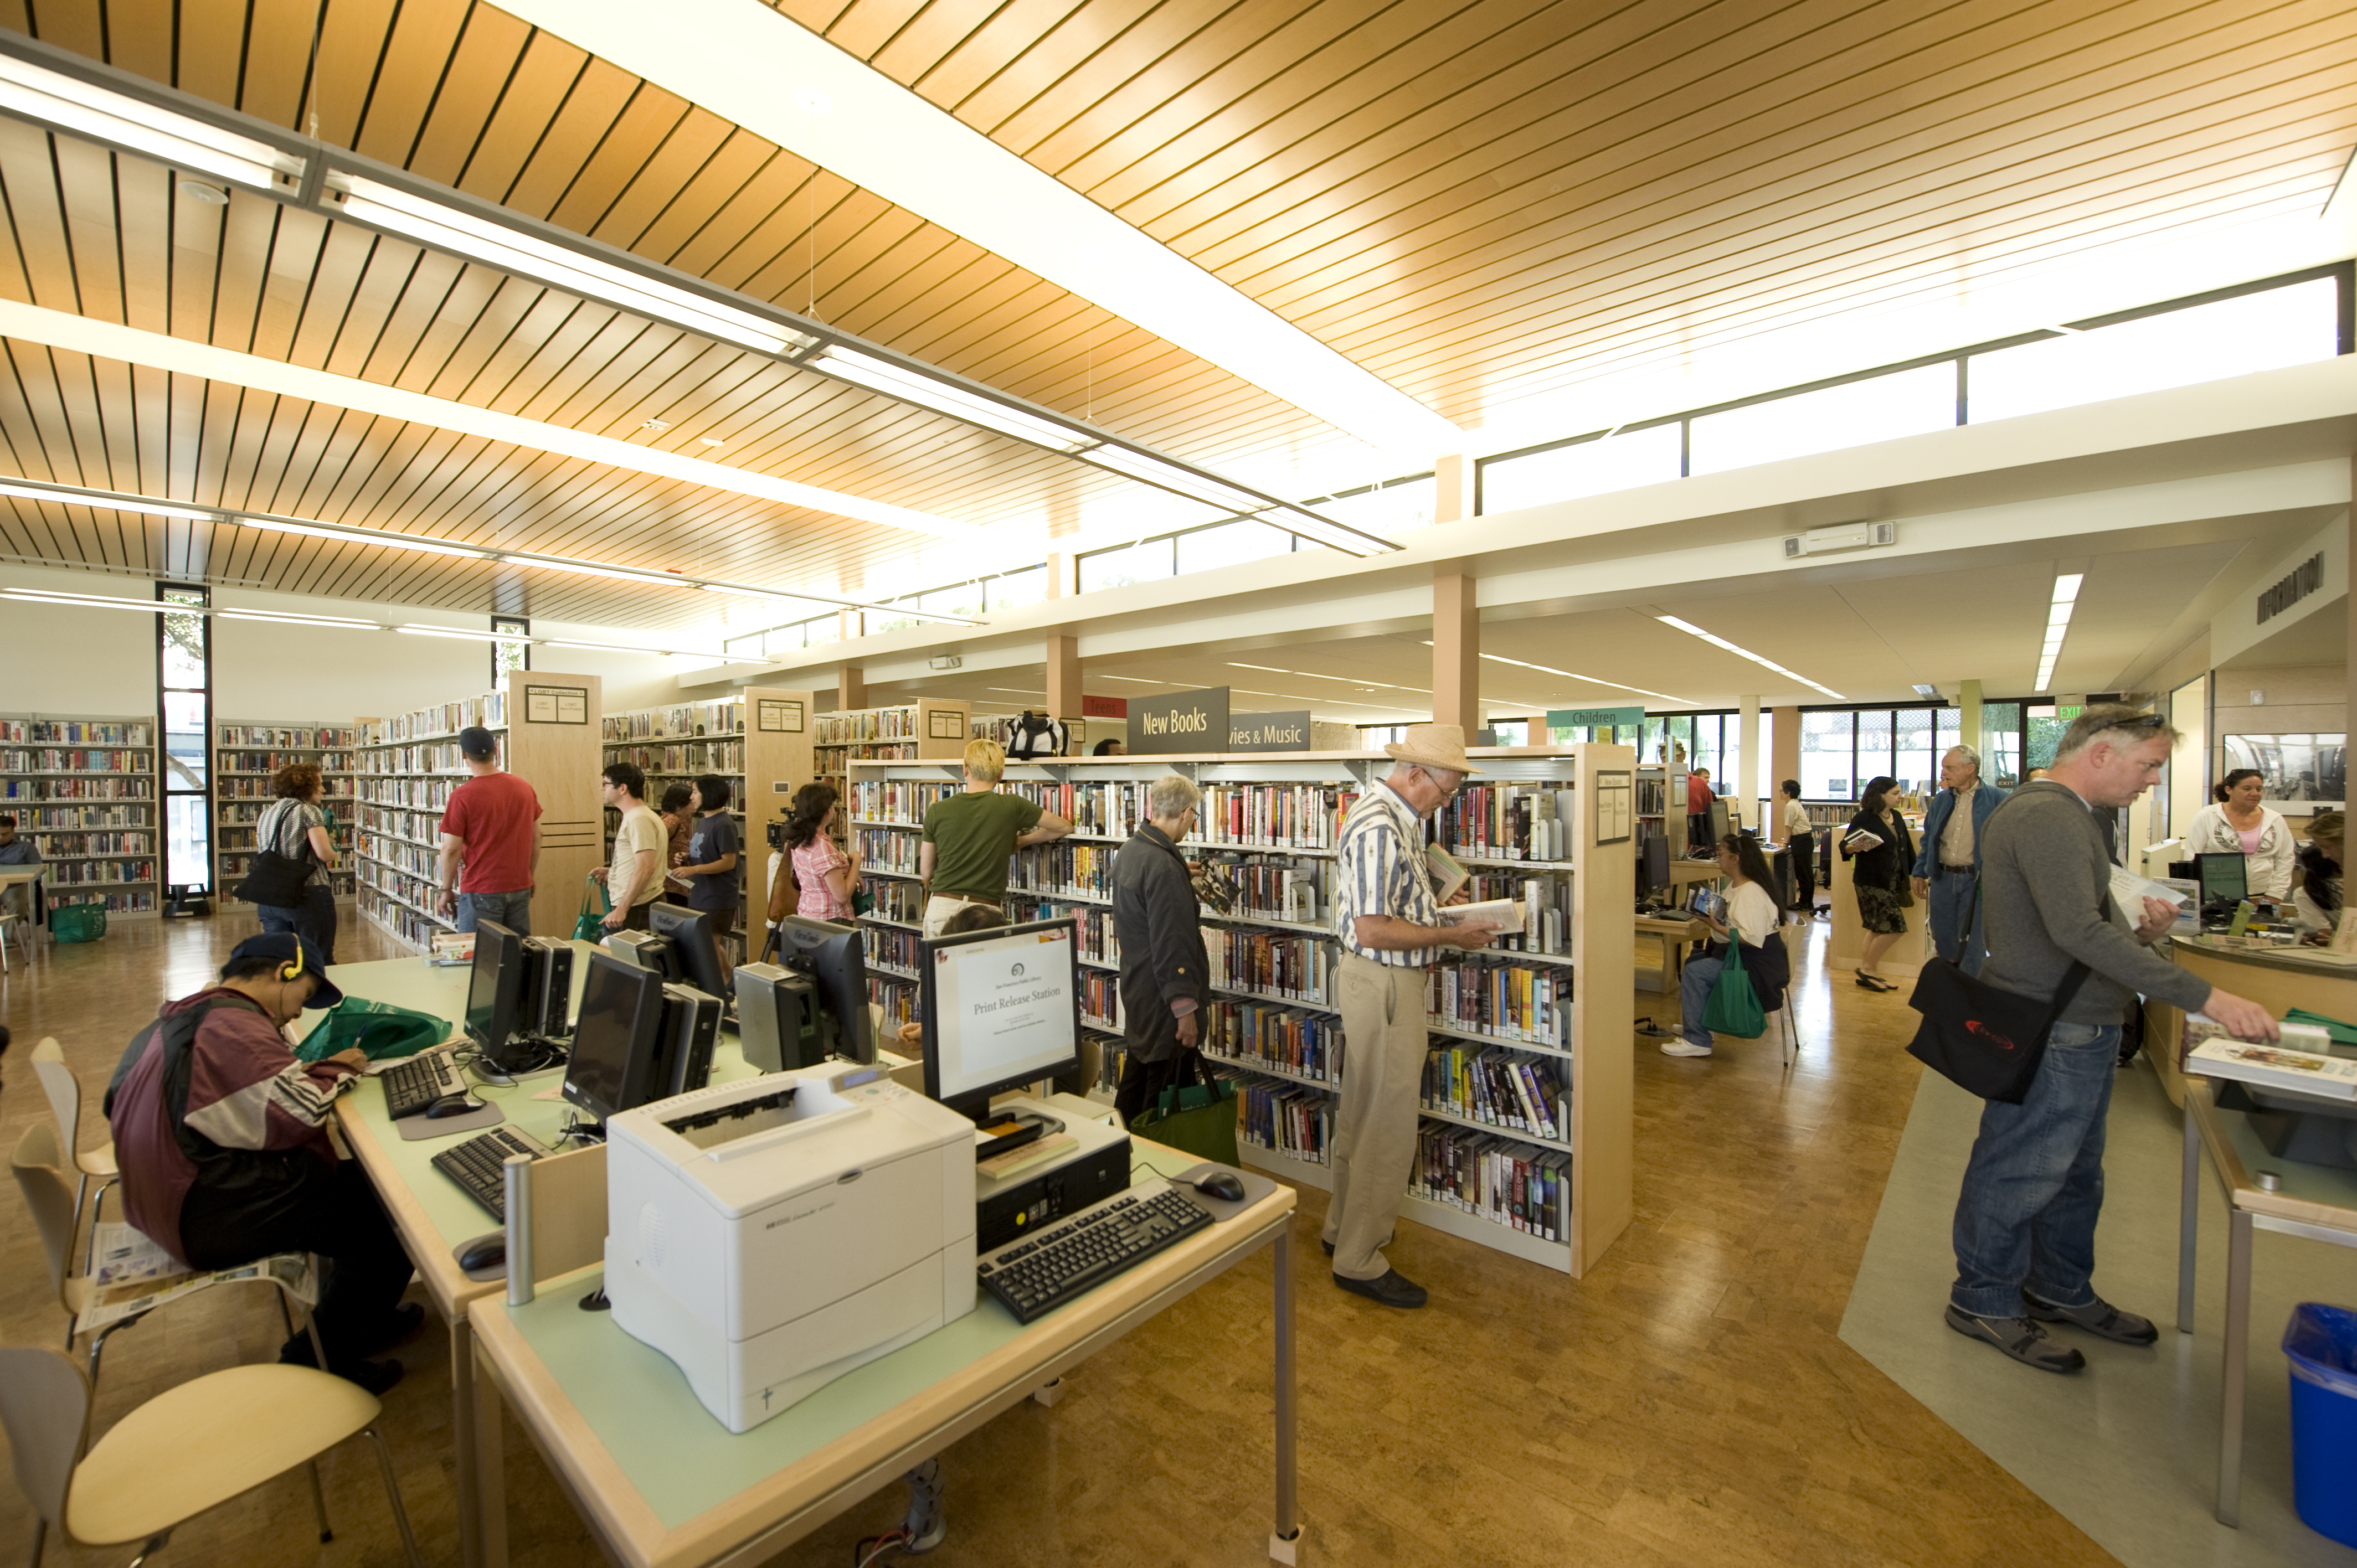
<point>2321,1343</point>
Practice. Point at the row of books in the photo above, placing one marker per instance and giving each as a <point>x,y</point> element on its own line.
<point>417,930</point>
<point>1112,1058</point>
<point>901,901</point>
<point>724,715</point>
<point>897,998</point>
<point>425,757</point>
<point>1270,1034</point>
<point>490,711</point>
<point>13,790</point>
<point>271,761</point>
<point>1101,998</point>
<point>881,849</point>
<point>1106,808</point>
<point>422,827</point>
<point>419,891</point>
<point>422,794</point>
<point>54,844</point>
<point>1503,1086</point>
<point>1492,1176</point>
<point>686,759</point>
<point>1060,867</point>
<point>1298,969</point>
<point>1274,816</point>
<point>1273,889</point>
<point>886,945</point>
<point>233,867</point>
<point>114,903</point>
<point>72,873</point>
<point>75,732</point>
<point>249,808</point>
<point>830,759</point>
<point>867,724</point>
<point>902,801</point>
<point>1498,997</point>
<point>286,736</point>
<point>1097,942</point>
<point>1297,1122</point>
<point>1546,908</point>
<point>395,853</point>
<point>1510,821</point>
<point>338,786</point>
<point>51,760</point>
<point>47,820</point>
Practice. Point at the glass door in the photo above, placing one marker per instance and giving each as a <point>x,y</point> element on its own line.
<point>184,663</point>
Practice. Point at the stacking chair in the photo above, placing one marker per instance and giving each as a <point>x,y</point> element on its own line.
<point>186,1451</point>
<point>1789,1027</point>
<point>64,1090</point>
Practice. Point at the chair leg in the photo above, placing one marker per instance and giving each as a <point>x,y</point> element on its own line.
<point>319,1504</point>
<point>40,1533</point>
<point>97,1208</point>
<point>393,1495</point>
<point>154,1543</point>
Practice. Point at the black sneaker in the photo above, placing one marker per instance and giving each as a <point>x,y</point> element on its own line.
<point>1392,1288</point>
<point>2098,1316</point>
<point>2018,1337</point>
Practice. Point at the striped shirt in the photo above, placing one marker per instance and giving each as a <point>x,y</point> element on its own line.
<point>1380,871</point>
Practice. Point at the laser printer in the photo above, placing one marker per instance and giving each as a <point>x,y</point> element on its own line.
<point>772,1233</point>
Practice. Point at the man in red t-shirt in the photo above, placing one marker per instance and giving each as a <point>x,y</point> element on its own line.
<point>492,827</point>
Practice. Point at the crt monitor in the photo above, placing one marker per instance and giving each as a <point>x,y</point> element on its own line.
<point>835,959</point>
<point>2224,878</point>
<point>1001,1009</point>
<point>691,932</point>
<point>618,1039</point>
<point>495,990</point>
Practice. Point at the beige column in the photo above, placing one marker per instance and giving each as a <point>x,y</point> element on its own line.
<point>1063,576</point>
<point>850,686</point>
<point>1452,489</point>
<point>1786,762</point>
<point>1456,654</point>
<point>1743,775</point>
<point>2349,673</point>
<point>1538,731</point>
<point>1968,723</point>
<point>848,628</point>
<point>1064,678</point>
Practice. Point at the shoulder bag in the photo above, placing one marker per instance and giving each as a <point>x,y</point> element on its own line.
<point>1734,1007</point>
<point>1978,1037</point>
<point>272,879</point>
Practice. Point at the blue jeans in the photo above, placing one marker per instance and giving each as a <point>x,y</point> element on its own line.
<point>512,910</point>
<point>2035,1184</point>
<point>1694,996</point>
<point>1948,903</point>
<point>314,919</point>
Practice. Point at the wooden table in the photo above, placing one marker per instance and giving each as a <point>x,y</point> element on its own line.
<point>1674,932</point>
<point>2316,1203</point>
<point>662,1485</point>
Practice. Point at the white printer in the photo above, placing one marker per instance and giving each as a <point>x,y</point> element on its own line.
<point>770,1234</point>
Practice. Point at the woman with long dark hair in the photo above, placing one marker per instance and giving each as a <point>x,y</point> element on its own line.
<point>827,875</point>
<point>1753,913</point>
<point>1878,875</point>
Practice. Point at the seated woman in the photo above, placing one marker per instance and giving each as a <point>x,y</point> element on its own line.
<point>2235,822</point>
<point>1754,913</point>
<point>2315,891</point>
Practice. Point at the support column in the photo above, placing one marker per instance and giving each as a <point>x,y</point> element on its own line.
<point>1452,489</point>
<point>1968,723</point>
<point>1456,654</point>
<point>1786,761</point>
<point>1743,777</point>
<point>1064,678</point>
<point>1063,580</point>
<point>2349,674</point>
<point>850,687</point>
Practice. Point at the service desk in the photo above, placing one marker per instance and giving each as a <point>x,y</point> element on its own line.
<point>2276,977</point>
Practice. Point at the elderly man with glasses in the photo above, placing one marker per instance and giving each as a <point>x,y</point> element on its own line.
<point>1392,931</point>
<point>1948,859</point>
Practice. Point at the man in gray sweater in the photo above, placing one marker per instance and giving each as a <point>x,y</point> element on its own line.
<point>2024,1228</point>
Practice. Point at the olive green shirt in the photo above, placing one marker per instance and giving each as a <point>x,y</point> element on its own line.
<point>972,836</point>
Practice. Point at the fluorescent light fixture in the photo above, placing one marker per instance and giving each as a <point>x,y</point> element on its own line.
<point>292,617</point>
<point>102,501</point>
<point>415,630</point>
<point>1181,481</point>
<point>1325,531</point>
<point>79,108</point>
<point>1741,653</point>
<point>1137,680</point>
<point>589,569</point>
<point>943,396</point>
<point>82,601</point>
<point>443,227</point>
<point>385,538</point>
<point>1361,682</point>
<point>1591,680</point>
<point>2058,626</point>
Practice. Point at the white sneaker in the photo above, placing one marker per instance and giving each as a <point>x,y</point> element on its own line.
<point>1683,1046</point>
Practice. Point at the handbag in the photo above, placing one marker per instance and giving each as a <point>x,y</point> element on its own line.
<point>1988,1041</point>
<point>589,926</point>
<point>275,879</point>
<point>1197,1112</point>
<point>1734,1007</point>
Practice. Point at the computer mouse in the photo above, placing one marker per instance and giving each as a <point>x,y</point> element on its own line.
<point>452,1105</point>
<point>484,1253</point>
<point>1221,1184</point>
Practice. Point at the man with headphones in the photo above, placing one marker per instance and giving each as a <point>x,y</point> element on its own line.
<point>220,1133</point>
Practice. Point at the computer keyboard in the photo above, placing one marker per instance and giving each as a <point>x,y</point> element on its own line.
<point>412,1085</point>
<point>479,1166</point>
<point>1039,1273</point>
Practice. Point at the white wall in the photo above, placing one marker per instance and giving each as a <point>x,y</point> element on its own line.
<point>74,662</point>
<point>264,673</point>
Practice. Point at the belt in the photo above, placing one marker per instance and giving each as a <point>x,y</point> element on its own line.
<point>969,898</point>
<point>1955,870</point>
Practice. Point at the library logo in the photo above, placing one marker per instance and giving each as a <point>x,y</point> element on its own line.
<point>2002,1042</point>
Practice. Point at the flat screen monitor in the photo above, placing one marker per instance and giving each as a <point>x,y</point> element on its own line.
<point>2224,878</point>
<point>495,990</point>
<point>1718,820</point>
<point>835,959</point>
<point>618,1039</point>
<point>691,932</point>
<point>1001,1009</point>
<point>1657,861</point>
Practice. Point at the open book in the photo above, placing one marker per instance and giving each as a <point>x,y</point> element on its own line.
<point>1447,877</point>
<point>1498,914</point>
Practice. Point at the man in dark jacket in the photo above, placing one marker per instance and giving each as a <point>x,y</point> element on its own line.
<point>1164,973</point>
<point>221,1132</point>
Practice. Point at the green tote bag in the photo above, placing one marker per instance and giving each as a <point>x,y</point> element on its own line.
<point>1198,1117</point>
<point>1734,1008</point>
<point>589,925</point>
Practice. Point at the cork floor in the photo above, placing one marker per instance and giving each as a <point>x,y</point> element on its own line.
<point>1690,1401</point>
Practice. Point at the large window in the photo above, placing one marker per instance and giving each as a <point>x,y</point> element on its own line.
<point>184,663</point>
<point>1905,402</point>
<point>507,658</point>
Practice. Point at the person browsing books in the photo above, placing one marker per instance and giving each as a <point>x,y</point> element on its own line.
<point>2235,822</point>
<point>827,875</point>
<point>2025,1221</point>
<point>1876,844</point>
<point>1392,930</point>
<point>1948,865</point>
<point>295,827</point>
<point>966,839</point>
<point>1750,908</point>
<point>1164,971</point>
<point>489,856</point>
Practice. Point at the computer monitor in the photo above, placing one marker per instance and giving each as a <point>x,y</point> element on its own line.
<point>1718,820</point>
<point>1001,1009</point>
<point>2224,878</point>
<point>495,990</point>
<point>618,1047</point>
<point>691,932</point>
<point>835,959</point>
<point>1657,861</point>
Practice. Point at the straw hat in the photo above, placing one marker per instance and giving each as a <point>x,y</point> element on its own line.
<point>1440,746</point>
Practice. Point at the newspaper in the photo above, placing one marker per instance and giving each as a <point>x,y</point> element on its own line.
<point>133,1276</point>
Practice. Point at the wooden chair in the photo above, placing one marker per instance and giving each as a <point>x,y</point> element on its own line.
<point>64,1090</point>
<point>189,1449</point>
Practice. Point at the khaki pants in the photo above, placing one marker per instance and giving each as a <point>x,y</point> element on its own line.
<point>1374,1132</point>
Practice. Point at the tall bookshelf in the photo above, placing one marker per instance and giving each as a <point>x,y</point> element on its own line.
<point>245,759</point>
<point>921,730</point>
<point>546,725</point>
<point>85,790</point>
<point>1505,1025</point>
<point>759,738</point>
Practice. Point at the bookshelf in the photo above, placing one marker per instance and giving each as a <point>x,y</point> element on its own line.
<point>924,729</point>
<point>85,790</point>
<point>1510,1030</point>
<point>759,738</point>
<point>406,767</point>
<point>245,758</point>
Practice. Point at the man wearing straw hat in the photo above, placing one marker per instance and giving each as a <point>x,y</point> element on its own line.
<point>1391,932</point>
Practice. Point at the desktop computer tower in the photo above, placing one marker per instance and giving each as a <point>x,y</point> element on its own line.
<point>647,951</point>
<point>691,1026</point>
<point>776,1018</point>
<point>547,990</point>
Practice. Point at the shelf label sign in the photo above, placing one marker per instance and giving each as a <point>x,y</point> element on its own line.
<point>1567,718</point>
<point>1180,723</point>
<point>1288,730</point>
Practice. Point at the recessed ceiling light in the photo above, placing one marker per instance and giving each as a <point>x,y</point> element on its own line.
<point>211,195</point>
<point>713,441</point>
<point>658,425</point>
<point>1741,653</point>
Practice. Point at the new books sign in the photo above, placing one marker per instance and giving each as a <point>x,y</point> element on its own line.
<point>1180,723</point>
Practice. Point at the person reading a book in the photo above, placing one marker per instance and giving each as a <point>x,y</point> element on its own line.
<point>2025,1222</point>
<point>2315,896</point>
<point>1750,909</point>
<point>1880,850</point>
<point>2234,823</point>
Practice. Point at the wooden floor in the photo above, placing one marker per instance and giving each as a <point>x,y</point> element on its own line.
<point>1687,1404</point>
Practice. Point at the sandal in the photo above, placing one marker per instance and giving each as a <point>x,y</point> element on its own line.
<point>1874,981</point>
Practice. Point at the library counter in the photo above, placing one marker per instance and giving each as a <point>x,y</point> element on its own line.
<point>2277,977</point>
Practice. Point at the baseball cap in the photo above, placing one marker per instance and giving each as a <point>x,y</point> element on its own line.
<point>287,948</point>
<point>477,742</point>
